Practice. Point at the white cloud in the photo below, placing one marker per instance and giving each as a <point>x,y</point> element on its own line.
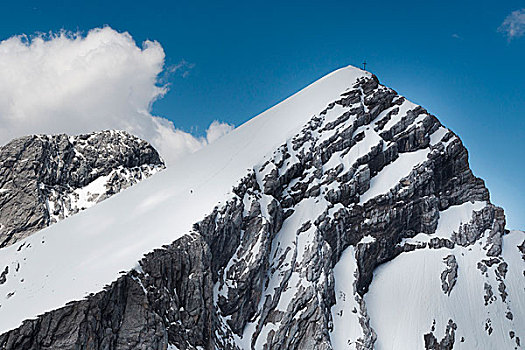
<point>70,83</point>
<point>217,130</point>
<point>183,68</point>
<point>514,24</point>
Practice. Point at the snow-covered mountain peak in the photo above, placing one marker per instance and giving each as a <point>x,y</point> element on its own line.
<point>306,227</point>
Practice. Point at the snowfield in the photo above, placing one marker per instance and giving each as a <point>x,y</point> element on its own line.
<point>405,299</point>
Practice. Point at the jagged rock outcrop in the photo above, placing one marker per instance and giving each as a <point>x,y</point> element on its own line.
<point>288,261</point>
<point>447,343</point>
<point>44,178</point>
<point>450,274</point>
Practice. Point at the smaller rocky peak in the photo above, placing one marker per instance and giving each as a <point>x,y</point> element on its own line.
<point>46,178</point>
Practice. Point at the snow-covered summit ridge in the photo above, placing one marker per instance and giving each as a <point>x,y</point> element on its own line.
<point>152,213</point>
<point>339,182</point>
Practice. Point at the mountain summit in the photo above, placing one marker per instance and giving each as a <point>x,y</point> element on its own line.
<point>345,217</point>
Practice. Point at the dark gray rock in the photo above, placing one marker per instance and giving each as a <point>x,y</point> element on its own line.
<point>450,274</point>
<point>3,275</point>
<point>446,343</point>
<point>489,295</point>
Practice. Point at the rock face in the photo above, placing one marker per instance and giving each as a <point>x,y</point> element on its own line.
<point>171,298</point>
<point>44,179</point>
<point>450,275</point>
<point>447,343</point>
<point>292,259</point>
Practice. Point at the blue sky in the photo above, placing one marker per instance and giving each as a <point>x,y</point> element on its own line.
<point>243,57</point>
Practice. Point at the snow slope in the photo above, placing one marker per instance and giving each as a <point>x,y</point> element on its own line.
<point>83,253</point>
<point>346,324</point>
<point>405,299</point>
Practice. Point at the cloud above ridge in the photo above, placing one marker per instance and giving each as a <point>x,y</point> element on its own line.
<point>72,83</point>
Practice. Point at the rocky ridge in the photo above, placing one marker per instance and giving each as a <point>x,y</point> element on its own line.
<point>44,179</point>
<point>370,178</point>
